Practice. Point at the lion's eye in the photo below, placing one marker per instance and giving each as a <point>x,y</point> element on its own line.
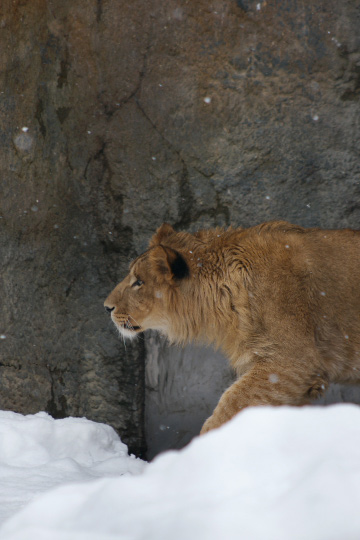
<point>137,283</point>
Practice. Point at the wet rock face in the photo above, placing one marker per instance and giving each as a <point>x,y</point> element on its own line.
<point>117,116</point>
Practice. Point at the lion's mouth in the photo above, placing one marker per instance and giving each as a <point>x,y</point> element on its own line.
<point>124,325</point>
<point>128,326</point>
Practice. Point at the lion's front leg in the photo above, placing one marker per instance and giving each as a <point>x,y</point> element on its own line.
<point>267,383</point>
<point>231,402</point>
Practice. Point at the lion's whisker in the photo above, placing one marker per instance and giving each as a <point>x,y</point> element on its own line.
<point>122,337</point>
<point>129,325</point>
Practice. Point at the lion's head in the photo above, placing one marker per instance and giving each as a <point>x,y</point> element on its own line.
<point>140,301</point>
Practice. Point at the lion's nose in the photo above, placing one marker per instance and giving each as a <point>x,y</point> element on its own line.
<point>109,309</point>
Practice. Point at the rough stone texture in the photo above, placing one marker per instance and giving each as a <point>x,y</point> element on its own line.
<point>197,113</point>
<point>64,242</point>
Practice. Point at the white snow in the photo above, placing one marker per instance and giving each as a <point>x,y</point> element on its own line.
<point>269,474</point>
<point>38,453</point>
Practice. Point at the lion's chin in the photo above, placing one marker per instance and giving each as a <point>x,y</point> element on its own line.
<point>126,332</point>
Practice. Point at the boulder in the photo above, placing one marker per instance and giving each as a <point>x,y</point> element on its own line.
<point>117,116</point>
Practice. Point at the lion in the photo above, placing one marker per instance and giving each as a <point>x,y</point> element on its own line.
<point>282,302</point>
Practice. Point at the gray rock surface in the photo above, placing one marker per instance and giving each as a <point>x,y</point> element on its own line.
<point>197,113</point>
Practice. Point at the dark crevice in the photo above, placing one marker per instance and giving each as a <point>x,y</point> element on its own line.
<point>38,115</point>
<point>121,242</point>
<point>64,70</point>
<point>68,162</point>
<point>186,197</point>
<point>133,433</point>
<point>186,200</point>
<point>101,157</point>
<point>18,367</point>
<point>67,292</point>
<point>99,11</point>
<point>202,173</point>
<point>57,405</point>
<point>167,142</point>
<point>111,109</point>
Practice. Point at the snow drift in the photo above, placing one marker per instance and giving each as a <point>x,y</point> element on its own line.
<point>38,453</point>
<point>270,473</point>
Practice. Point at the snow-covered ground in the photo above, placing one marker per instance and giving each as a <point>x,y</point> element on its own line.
<point>269,474</point>
<point>38,453</point>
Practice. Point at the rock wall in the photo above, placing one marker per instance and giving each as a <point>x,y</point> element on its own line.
<point>117,116</point>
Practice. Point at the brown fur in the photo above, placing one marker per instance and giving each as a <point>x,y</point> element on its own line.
<point>283,303</point>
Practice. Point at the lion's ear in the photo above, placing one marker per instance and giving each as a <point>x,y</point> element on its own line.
<point>169,263</point>
<point>162,232</point>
